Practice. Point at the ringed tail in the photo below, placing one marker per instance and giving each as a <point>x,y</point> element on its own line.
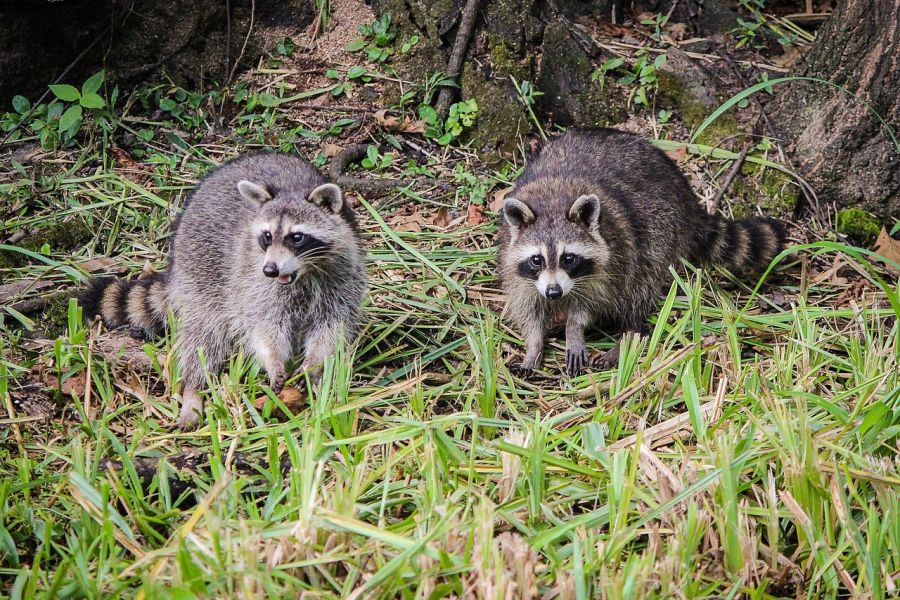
<point>744,245</point>
<point>139,304</point>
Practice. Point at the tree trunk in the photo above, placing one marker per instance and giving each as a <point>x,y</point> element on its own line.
<point>840,146</point>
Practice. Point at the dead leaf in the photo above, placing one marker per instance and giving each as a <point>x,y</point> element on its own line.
<point>889,248</point>
<point>394,124</point>
<point>831,275</point>
<point>475,215</point>
<point>124,160</point>
<point>330,150</point>
<point>76,384</point>
<point>677,154</point>
<point>292,398</point>
<point>410,126</point>
<point>677,30</point>
<point>441,218</point>
<point>407,218</point>
<point>102,263</point>
<point>499,198</point>
<point>385,121</point>
<point>614,30</point>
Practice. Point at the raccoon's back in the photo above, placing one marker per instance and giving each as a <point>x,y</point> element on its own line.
<point>616,160</point>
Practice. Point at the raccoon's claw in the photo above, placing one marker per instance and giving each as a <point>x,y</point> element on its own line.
<point>520,370</point>
<point>607,360</point>
<point>575,362</point>
<point>276,382</point>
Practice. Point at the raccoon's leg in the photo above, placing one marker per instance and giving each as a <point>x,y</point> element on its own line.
<point>610,358</point>
<point>576,350</point>
<point>193,377</point>
<point>320,344</point>
<point>534,333</point>
<point>272,352</point>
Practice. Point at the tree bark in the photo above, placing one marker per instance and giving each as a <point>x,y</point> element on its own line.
<point>840,146</point>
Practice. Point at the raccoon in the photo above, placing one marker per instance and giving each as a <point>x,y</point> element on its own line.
<point>266,257</point>
<point>589,231</point>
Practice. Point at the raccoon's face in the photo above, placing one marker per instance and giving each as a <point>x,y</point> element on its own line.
<point>555,252</point>
<point>293,236</point>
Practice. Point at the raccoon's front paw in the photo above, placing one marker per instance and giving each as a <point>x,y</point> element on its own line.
<point>521,370</point>
<point>575,362</point>
<point>607,360</point>
<point>189,415</point>
<point>276,381</point>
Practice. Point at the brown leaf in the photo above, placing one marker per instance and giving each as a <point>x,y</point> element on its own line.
<point>677,154</point>
<point>394,124</point>
<point>294,400</point>
<point>614,30</point>
<point>124,160</point>
<point>76,384</point>
<point>330,150</point>
<point>441,218</point>
<point>407,218</point>
<point>101,263</point>
<point>888,247</point>
<point>677,30</point>
<point>499,198</point>
<point>475,215</point>
<point>385,121</point>
<point>410,126</point>
<point>831,275</point>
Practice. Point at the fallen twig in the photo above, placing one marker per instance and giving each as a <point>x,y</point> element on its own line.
<point>729,178</point>
<point>454,65</point>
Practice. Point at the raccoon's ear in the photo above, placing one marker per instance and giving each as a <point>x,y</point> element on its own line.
<point>517,213</point>
<point>254,192</point>
<point>586,211</point>
<point>327,196</point>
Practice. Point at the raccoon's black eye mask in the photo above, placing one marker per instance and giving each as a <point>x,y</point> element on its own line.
<point>304,244</point>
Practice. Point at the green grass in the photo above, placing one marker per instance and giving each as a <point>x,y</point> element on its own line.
<point>747,447</point>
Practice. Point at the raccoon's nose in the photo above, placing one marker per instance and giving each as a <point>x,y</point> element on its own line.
<point>270,269</point>
<point>554,291</point>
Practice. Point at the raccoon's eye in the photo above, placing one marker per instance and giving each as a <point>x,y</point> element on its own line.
<point>536,260</point>
<point>265,239</point>
<point>297,238</point>
<point>569,259</point>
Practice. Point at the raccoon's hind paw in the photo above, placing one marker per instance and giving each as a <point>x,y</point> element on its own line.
<point>138,333</point>
<point>576,360</point>
<point>521,370</point>
<point>607,360</point>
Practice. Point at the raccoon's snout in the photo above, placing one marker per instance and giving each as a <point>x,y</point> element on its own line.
<point>270,269</point>
<point>554,291</point>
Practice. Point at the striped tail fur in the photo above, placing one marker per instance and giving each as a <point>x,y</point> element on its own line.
<point>744,245</point>
<point>139,304</point>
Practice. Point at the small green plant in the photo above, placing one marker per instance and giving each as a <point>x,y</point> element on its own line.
<point>527,93</point>
<point>376,39</point>
<point>657,21</point>
<point>409,44</point>
<point>461,115</point>
<point>642,76</point>
<point>747,32</point>
<point>375,161</point>
<point>609,65</point>
<point>59,121</point>
<point>285,47</point>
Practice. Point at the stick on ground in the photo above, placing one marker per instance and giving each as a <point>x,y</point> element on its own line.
<point>454,65</point>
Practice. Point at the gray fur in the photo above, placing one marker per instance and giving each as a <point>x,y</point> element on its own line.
<point>628,207</point>
<point>215,282</point>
